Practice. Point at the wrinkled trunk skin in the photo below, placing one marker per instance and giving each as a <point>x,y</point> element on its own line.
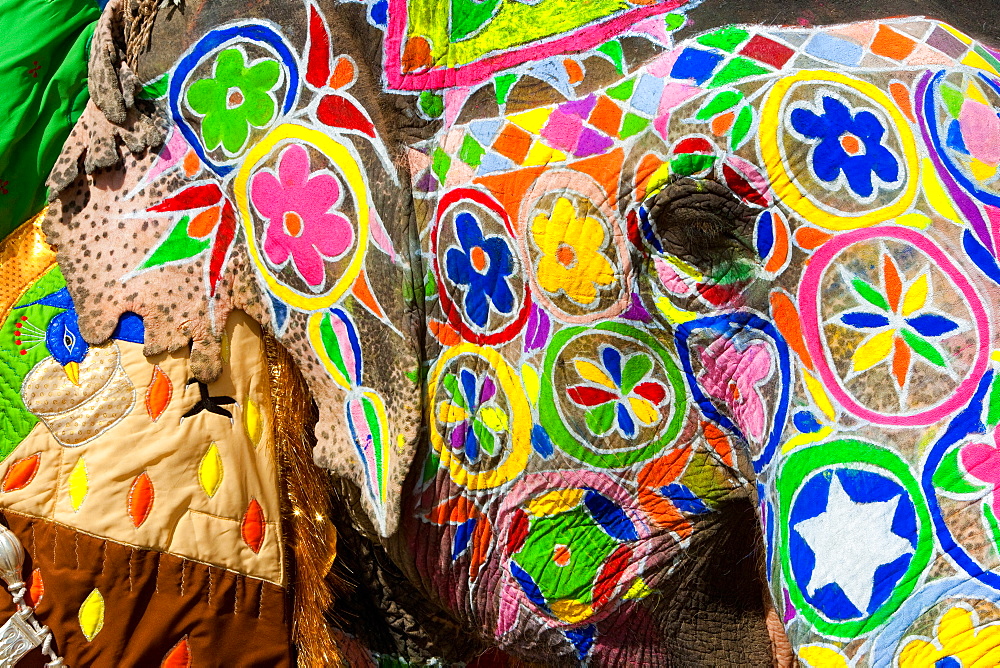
<point>597,391</point>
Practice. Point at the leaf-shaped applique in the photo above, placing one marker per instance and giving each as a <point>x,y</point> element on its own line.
<point>20,474</point>
<point>79,483</point>
<point>91,615</point>
<point>179,656</point>
<point>140,499</point>
<point>252,421</point>
<point>252,527</point>
<point>34,590</point>
<point>158,393</point>
<point>210,471</point>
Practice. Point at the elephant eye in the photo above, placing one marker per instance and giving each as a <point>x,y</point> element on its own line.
<point>702,222</point>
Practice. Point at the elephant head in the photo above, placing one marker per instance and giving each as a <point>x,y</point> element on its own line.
<point>573,311</point>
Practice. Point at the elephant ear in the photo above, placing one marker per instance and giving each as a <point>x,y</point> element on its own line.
<point>283,221</point>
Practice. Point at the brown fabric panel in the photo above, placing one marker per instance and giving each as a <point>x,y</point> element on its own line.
<point>152,601</point>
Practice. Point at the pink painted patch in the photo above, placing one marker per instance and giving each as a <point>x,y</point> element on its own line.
<point>670,279</point>
<point>981,131</point>
<point>562,130</point>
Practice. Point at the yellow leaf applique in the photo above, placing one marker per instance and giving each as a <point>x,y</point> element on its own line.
<point>210,471</point>
<point>92,615</point>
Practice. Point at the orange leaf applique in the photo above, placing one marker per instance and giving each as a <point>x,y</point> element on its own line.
<point>252,527</point>
<point>21,473</point>
<point>179,656</point>
<point>35,590</point>
<point>140,499</point>
<point>158,393</point>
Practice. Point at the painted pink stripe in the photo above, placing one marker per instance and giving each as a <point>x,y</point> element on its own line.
<point>346,349</point>
<point>809,308</point>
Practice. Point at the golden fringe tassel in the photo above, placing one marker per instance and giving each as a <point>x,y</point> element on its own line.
<point>308,529</point>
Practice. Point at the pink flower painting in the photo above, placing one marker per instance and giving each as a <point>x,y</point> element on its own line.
<point>302,223</point>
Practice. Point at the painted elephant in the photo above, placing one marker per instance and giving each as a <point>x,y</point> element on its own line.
<point>578,299</point>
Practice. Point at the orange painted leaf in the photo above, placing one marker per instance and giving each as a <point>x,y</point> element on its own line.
<point>252,527</point>
<point>35,589</point>
<point>158,393</point>
<point>140,499</point>
<point>901,96</point>
<point>786,317</point>
<point>780,249</point>
<point>203,224</point>
<point>179,656</point>
<point>21,473</point>
<point>893,284</point>
<point>719,442</point>
<point>343,73</point>
<point>445,333</point>
<point>809,238</point>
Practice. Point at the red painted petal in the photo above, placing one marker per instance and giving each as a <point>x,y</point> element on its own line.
<point>693,145</point>
<point>140,499</point>
<point>585,395</point>
<point>742,187</point>
<point>252,528</point>
<point>653,391</point>
<point>318,67</point>
<point>339,112</point>
<point>179,656</point>
<point>610,574</point>
<point>21,473</point>
<point>518,531</point>
<point>194,197</point>
<point>220,248</point>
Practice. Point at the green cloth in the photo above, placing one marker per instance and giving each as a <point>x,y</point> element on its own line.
<point>43,90</point>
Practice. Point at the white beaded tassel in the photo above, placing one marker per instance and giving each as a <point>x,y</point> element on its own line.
<point>11,567</point>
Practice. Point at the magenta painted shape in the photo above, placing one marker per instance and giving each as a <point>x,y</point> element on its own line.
<point>562,130</point>
<point>592,142</point>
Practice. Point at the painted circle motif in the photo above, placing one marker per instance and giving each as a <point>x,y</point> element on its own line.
<point>960,114</point>
<point>885,307</point>
<point>229,89</point>
<point>611,395</point>
<point>832,142</point>
<point>571,239</point>
<point>481,282</point>
<point>570,549</point>
<point>304,205</point>
<point>855,534</point>
<point>481,420</point>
